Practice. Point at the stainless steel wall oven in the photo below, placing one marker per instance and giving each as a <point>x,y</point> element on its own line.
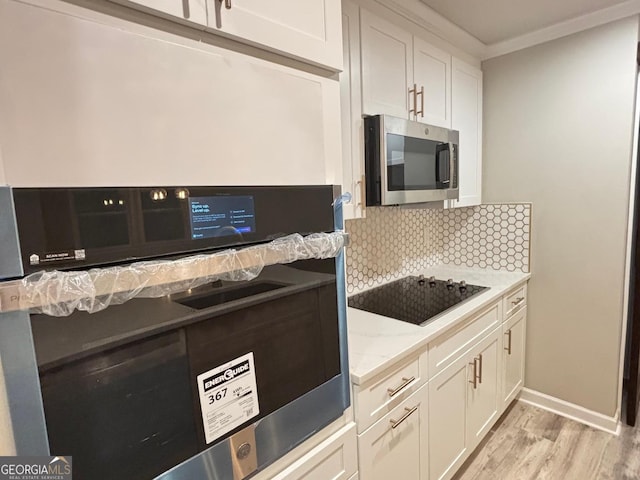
<point>211,382</point>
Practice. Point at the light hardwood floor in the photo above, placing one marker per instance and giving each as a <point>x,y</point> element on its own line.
<point>530,443</point>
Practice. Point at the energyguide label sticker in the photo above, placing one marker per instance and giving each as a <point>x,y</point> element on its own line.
<point>228,396</point>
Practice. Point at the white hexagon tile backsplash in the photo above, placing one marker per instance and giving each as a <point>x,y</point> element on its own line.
<point>393,242</point>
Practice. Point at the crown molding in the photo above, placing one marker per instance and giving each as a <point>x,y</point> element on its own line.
<point>424,16</point>
<point>562,29</point>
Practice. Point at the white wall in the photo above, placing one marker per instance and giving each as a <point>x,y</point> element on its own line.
<point>558,123</point>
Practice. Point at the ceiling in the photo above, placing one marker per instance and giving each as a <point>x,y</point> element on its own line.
<point>492,21</point>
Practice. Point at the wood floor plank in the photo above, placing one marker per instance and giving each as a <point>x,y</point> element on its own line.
<point>528,443</point>
<point>577,453</point>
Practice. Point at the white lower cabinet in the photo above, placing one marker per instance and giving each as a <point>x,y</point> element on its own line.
<point>464,404</point>
<point>333,459</point>
<point>448,411</point>
<point>514,335</point>
<point>395,447</point>
<point>483,400</point>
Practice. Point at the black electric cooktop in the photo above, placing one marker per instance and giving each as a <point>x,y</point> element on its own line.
<point>414,299</point>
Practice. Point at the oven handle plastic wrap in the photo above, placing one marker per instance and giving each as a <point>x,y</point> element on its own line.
<point>59,293</point>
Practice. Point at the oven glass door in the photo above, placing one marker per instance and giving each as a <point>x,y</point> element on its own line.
<point>416,164</point>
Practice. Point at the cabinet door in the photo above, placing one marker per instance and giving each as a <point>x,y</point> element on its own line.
<point>432,72</point>
<point>448,419</point>
<point>514,338</point>
<point>483,404</point>
<point>188,10</point>
<point>466,117</point>
<point>396,445</point>
<point>309,30</point>
<point>387,67</point>
<point>178,115</point>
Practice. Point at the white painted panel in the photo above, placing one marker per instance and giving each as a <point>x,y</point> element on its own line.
<point>85,103</point>
<point>387,67</point>
<point>189,10</point>
<point>466,117</point>
<point>513,358</point>
<point>432,71</point>
<point>448,419</point>
<point>310,30</point>
<point>483,400</point>
<point>386,453</point>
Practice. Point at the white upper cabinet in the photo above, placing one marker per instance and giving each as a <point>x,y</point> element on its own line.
<point>403,75</point>
<point>466,117</point>
<point>432,76</point>
<point>309,30</point>
<point>190,11</point>
<point>387,67</point>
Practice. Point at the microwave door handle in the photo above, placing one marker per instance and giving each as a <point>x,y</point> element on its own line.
<point>452,162</point>
<point>439,177</point>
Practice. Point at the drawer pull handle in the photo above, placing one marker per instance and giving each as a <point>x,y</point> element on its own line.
<point>474,382</point>
<point>508,334</point>
<point>408,412</point>
<point>517,301</point>
<point>405,381</point>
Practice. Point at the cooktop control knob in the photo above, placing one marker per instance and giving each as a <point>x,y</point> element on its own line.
<point>421,280</point>
<point>462,285</point>
<point>432,281</point>
<point>450,283</point>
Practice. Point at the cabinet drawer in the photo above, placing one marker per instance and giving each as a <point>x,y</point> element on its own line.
<point>396,447</point>
<point>515,300</point>
<point>374,399</point>
<point>445,349</point>
<point>335,459</point>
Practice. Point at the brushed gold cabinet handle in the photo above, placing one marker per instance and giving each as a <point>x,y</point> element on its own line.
<point>421,111</point>
<point>517,301</point>
<point>508,334</point>
<point>408,412</point>
<point>474,382</point>
<point>405,381</point>
<point>414,91</point>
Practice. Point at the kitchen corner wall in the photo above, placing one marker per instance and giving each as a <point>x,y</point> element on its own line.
<point>392,242</point>
<point>558,131</point>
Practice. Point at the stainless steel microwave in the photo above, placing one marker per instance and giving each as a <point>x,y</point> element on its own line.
<point>409,162</point>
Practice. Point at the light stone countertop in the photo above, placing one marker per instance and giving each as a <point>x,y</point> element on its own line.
<point>377,342</point>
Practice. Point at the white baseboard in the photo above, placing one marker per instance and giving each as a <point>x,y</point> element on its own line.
<point>571,411</point>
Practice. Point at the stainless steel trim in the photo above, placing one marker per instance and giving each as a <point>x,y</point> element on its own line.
<point>407,128</point>
<point>405,381</point>
<point>22,382</point>
<point>407,414</point>
<point>10,264</point>
<point>276,434</point>
<point>508,349</point>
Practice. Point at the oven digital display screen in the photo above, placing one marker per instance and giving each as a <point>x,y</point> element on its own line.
<point>221,216</point>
